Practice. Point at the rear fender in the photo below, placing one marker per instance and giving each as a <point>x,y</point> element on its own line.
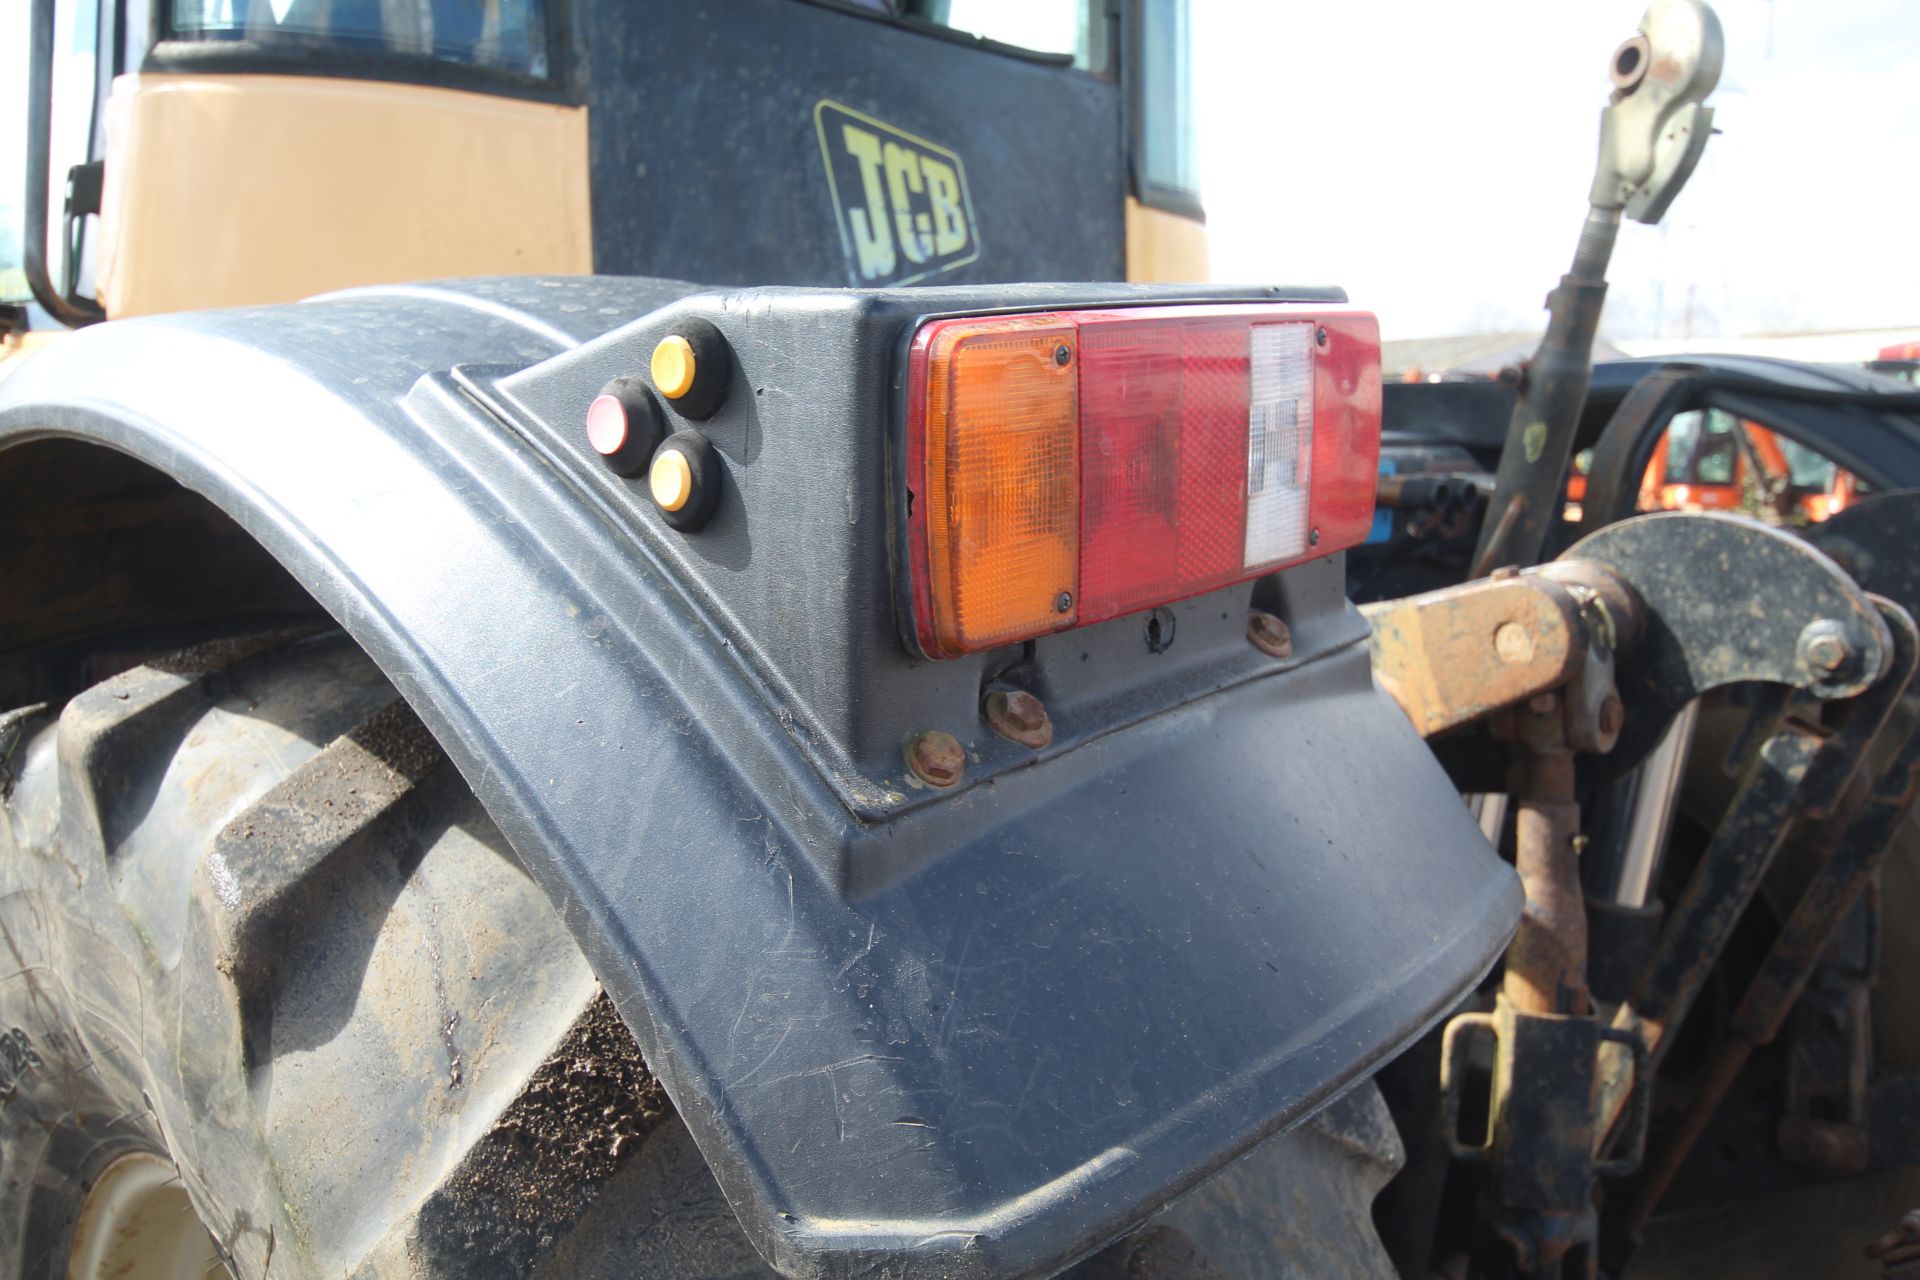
<point>967,1033</point>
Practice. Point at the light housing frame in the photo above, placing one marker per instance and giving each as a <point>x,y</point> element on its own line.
<point>1343,379</point>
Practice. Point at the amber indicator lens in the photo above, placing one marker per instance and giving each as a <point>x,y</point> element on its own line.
<point>1070,467</point>
<point>999,443</point>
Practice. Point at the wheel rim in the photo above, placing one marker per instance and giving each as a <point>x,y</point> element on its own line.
<point>138,1224</point>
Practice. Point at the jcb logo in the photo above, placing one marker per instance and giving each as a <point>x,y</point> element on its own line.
<point>902,201</point>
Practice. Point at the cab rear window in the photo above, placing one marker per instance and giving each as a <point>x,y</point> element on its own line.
<point>509,35</point>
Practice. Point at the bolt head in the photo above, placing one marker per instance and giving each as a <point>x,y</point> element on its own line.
<point>1827,653</point>
<point>1019,717</point>
<point>1268,634</point>
<point>936,758</point>
<point>1513,643</point>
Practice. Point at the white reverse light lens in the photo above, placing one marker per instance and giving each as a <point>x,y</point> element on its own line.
<point>1279,442</point>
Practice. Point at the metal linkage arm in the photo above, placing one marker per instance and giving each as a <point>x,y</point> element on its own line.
<point>1651,136</point>
<point>1562,663</point>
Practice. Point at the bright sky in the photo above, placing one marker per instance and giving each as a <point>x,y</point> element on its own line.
<point>1434,159</point>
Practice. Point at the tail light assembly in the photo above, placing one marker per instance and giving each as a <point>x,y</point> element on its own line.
<point>1068,467</point>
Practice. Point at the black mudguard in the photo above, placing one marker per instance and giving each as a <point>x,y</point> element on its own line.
<point>967,1033</point>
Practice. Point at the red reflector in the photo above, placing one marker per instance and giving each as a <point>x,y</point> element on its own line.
<point>1346,433</point>
<point>1215,444</point>
<point>1163,447</point>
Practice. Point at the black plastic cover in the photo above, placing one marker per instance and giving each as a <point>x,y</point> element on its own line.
<point>976,1032</point>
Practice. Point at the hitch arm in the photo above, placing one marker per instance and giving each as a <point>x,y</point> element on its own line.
<point>1651,136</point>
<point>1586,660</point>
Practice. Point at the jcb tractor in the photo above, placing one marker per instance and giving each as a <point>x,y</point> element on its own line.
<point>734,732</point>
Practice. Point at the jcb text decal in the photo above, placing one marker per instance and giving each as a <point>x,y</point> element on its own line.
<point>901,201</point>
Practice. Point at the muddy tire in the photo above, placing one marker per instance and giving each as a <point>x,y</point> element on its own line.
<point>254,926</point>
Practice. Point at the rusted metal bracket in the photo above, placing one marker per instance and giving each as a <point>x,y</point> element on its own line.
<point>1848,846</point>
<point>1728,600</point>
<point>1794,776</point>
<point>1560,664</point>
<point>1453,656</point>
<point>1688,602</point>
<point>1803,771</point>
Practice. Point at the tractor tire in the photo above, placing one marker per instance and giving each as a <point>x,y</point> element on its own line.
<point>263,956</point>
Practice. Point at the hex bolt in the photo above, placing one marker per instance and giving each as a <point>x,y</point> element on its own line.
<point>1827,649</point>
<point>1513,643</point>
<point>1268,634</point>
<point>1613,714</point>
<point>1019,717</point>
<point>1827,653</point>
<point>936,758</point>
<point>1505,573</point>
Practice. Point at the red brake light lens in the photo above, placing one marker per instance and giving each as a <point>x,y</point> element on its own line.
<point>1074,466</point>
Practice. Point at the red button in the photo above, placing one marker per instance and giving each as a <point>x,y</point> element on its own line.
<point>606,425</point>
<point>624,426</point>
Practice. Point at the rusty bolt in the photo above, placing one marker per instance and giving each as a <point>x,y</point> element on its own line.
<point>936,758</point>
<point>1513,643</point>
<point>1613,714</point>
<point>1019,717</point>
<point>1269,635</point>
<point>1505,572</point>
<point>1542,704</point>
<point>1828,653</point>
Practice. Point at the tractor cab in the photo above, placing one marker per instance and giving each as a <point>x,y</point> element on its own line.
<point>216,153</point>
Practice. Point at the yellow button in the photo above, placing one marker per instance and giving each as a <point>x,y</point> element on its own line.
<point>673,366</point>
<point>671,479</point>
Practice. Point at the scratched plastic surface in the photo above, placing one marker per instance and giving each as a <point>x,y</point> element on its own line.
<point>966,1033</point>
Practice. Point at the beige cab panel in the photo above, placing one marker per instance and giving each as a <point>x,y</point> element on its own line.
<point>1164,248</point>
<point>237,190</point>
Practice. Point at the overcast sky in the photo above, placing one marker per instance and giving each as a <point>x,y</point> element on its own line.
<point>1434,159</point>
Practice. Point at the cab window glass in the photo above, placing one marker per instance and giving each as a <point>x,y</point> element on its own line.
<point>1166,161</point>
<point>1807,468</point>
<point>1683,433</point>
<point>1043,26</point>
<point>1714,460</point>
<point>508,34</point>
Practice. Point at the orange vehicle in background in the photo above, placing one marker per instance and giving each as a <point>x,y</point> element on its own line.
<point>1712,460</point>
